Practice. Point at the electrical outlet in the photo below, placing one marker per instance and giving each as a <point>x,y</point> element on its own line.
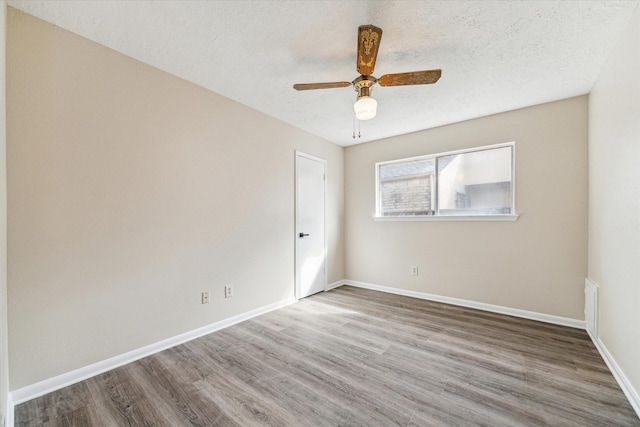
<point>228,291</point>
<point>205,297</point>
<point>414,270</point>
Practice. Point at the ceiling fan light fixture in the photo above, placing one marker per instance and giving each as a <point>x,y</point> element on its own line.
<point>365,108</point>
<point>369,37</point>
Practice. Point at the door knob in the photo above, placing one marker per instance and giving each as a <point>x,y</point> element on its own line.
<point>302,235</point>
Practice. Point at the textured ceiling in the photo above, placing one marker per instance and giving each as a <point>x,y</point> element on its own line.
<point>495,56</point>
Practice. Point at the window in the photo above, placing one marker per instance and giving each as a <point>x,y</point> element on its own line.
<point>467,183</point>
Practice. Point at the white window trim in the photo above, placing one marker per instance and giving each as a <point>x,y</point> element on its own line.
<point>437,218</point>
<point>511,217</point>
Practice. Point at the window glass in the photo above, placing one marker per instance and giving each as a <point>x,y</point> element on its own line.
<point>469,182</point>
<point>407,188</point>
<point>476,183</point>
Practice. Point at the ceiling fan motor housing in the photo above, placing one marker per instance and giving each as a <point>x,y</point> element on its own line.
<point>363,84</point>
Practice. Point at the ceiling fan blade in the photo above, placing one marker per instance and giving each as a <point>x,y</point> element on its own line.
<point>309,86</point>
<point>412,78</point>
<point>369,37</point>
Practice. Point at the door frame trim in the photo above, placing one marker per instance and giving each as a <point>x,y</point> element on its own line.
<point>296,285</point>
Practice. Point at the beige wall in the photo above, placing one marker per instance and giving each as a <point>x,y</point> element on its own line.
<point>130,192</point>
<point>4,341</point>
<point>614,200</point>
<point>537,263</point>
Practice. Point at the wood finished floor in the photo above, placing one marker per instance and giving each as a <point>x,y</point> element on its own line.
<point>353,357</point>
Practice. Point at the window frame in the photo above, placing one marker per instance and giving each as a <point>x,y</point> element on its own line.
<point>437,216</point>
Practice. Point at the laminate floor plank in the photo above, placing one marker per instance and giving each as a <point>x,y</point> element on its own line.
<point>341,391</point>
<point>354,357</point>
<point>76,418</point>
<point>165,414</point>
<point>333,381</point>
<point>122,396</point>
<point>310,312</point>
<point>240,403</point>
<point>308,406</point>
<point>183,398</point>
<point>506,406</point>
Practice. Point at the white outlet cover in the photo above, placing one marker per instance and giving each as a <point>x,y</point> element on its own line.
<point>205,298</point>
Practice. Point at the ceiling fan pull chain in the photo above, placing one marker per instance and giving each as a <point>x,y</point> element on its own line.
<point>354,127</point>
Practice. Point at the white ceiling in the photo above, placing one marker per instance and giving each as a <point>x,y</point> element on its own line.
<point>495,56</point>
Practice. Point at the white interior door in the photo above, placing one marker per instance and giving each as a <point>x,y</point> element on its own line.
<point>310,225</point>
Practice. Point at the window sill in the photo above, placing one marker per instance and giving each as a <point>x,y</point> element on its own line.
<point>447,218</point>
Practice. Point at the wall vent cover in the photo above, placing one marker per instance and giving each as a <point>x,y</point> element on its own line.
<point>591,306</point>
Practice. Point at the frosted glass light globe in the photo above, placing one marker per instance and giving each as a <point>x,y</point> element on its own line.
<point>365,108</point>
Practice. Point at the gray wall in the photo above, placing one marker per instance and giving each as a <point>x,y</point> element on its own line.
<point>130,192</point>
<point>537,263</point>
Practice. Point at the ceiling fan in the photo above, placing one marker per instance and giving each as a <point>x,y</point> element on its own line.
<point>369,37</point>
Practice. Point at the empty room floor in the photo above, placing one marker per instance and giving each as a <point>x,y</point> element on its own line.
<point>359,358</point>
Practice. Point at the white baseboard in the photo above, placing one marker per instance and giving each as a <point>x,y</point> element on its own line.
<point>38,389</point>
<point>627,388</point>
<point>334,285</point>
<point>541,317</point>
